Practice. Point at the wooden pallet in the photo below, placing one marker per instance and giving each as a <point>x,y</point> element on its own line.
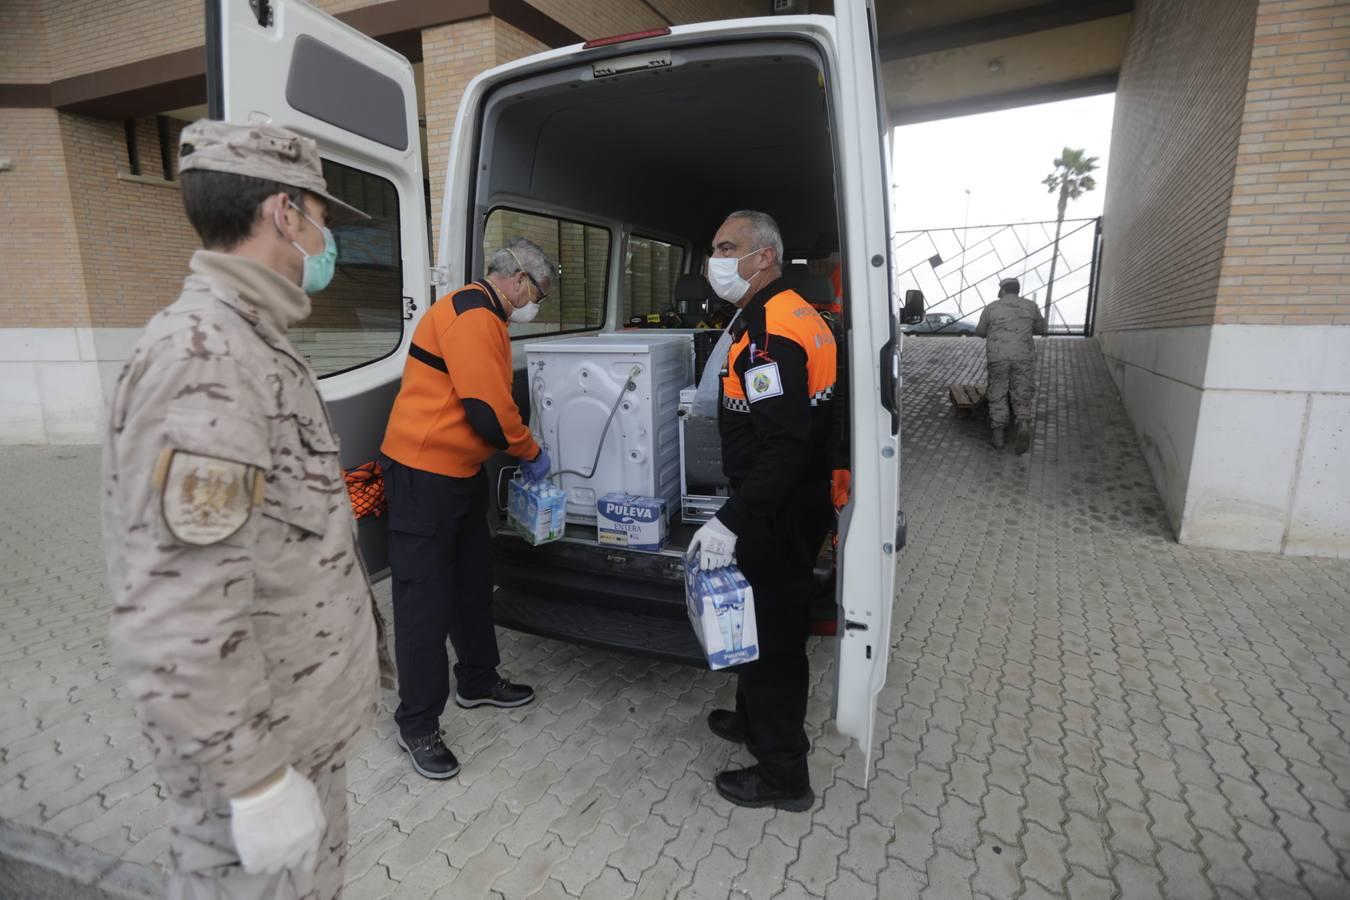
<point>966,398</point>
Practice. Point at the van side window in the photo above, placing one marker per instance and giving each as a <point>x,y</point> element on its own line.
<point>576,300</point>
<point>358,318</point>
<point>649,276</point>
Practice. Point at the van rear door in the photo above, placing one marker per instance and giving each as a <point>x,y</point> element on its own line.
<point>872,530</point>
<point>286,62</point>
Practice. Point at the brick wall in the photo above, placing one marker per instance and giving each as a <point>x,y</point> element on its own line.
<point>43,282</point>
<point>451,56</point>
<point>83,247</point>
<point>598,18</point>
<point>88,35</point>
<point>1288,247</point>
<point>23,43</point>
<point>134,237</point>
<point>1179,110</point>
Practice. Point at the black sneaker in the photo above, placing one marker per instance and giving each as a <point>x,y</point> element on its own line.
<point>727,725</point>
<point>747,787</point>
<point>503,694</point>
<point>430,757</point>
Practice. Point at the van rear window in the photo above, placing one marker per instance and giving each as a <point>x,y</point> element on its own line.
<point>649,276</point>
<point>576,300</point>
<point>358,318</point>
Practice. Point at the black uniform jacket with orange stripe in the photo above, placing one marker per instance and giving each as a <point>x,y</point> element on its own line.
<point>774,415</point>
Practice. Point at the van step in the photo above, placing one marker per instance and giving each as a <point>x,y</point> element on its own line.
<point>659,637</point>
<point>603,590</point>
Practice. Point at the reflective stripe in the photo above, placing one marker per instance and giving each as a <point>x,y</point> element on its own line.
<point>736,404</point>
<point>820,397</point>
<point>426,356</point>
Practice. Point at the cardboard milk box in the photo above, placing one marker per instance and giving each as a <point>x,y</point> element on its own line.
<point>722,611</point>
<point>628,520</point>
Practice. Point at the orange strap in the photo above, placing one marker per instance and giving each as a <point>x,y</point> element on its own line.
<point>365,487</point>
<point>841,485</point>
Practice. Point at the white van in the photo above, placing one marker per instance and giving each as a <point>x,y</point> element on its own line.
<point>621,149</point>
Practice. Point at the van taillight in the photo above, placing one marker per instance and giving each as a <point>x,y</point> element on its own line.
<point>625,38</point>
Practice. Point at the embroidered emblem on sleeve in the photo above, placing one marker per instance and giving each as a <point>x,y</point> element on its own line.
<point>763,381</point>
<point>206,500</point>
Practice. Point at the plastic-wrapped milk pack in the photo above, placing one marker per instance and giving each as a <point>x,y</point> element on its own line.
<point>722,611</point>
<point>538,512</point>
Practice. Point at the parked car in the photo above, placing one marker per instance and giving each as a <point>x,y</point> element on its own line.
<point>941,323</point>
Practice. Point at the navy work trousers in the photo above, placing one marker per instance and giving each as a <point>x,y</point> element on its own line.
<point>440,557</point>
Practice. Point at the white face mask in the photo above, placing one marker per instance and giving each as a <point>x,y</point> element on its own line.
<point>526,313</point>
<point>725,277</point>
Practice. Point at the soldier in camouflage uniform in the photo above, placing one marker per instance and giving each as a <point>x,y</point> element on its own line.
<point>1007,325</point>
<point>243,619</point>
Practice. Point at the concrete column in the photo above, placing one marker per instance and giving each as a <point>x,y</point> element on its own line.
<point>451,56</point>
<point>1225,303</point>
<point>49,384</point>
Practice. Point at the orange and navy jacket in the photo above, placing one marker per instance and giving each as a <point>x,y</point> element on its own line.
<point>774,418</point>
<point>454,409</point>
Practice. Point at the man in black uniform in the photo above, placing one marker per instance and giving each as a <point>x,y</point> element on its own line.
<point>774,422</point>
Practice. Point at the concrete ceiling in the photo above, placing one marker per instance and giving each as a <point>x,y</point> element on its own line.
<point>943,58</point>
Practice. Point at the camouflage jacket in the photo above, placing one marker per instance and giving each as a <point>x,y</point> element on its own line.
<point>243,620</point>
<point>1007,325</point>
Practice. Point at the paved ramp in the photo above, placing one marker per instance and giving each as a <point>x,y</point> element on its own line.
<point>1078,707</point>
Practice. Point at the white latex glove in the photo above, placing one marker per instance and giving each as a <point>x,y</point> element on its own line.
<point>279,828</point>
<point>715,545</point>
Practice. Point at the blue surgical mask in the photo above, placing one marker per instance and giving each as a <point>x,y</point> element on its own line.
<point>319,267</point>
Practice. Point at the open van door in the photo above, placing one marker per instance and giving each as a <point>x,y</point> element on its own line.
<point>873,527</point>
<point>285,62</point>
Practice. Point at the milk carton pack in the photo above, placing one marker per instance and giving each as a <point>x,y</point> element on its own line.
<point>538,512</point>
<point>722,611</point>
<point>627,520</point>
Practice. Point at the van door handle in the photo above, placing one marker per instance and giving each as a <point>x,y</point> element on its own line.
<point>890,365</point>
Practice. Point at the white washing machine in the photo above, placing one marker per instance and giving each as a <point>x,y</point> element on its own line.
<point>579,385</point>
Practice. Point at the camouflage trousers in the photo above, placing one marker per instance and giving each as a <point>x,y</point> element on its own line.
<point>203,864</point>
<point>1011,380</point>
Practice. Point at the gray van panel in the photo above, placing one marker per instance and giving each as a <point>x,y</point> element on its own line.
<point>329,85</point>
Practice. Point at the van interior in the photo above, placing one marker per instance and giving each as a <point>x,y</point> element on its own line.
<point>664,149</point>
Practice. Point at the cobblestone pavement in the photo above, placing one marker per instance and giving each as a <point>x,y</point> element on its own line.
<point>1077,706</point>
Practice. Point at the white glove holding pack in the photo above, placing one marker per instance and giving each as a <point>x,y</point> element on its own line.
<point>279,828</point>
<point>715,545</point>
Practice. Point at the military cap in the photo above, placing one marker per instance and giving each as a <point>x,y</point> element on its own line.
<point>261,151</point>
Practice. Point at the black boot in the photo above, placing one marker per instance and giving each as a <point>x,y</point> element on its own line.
<point>430,757</point>
<point>1023,438</point>
<point>996,437</point>
<point>747,787</point>
<point>727,725</point>
<point>503,694</point>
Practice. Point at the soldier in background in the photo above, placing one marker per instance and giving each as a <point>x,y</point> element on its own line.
<point>243,620</point>
<point>1007,325</point>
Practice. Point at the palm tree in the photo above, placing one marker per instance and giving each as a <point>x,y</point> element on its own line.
<point>1072,180</point>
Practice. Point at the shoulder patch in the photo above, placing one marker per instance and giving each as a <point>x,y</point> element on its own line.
<point>204,499</point>
<point>763,381</point>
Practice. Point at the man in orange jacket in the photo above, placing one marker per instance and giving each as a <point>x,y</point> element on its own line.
<point>454,410</point>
